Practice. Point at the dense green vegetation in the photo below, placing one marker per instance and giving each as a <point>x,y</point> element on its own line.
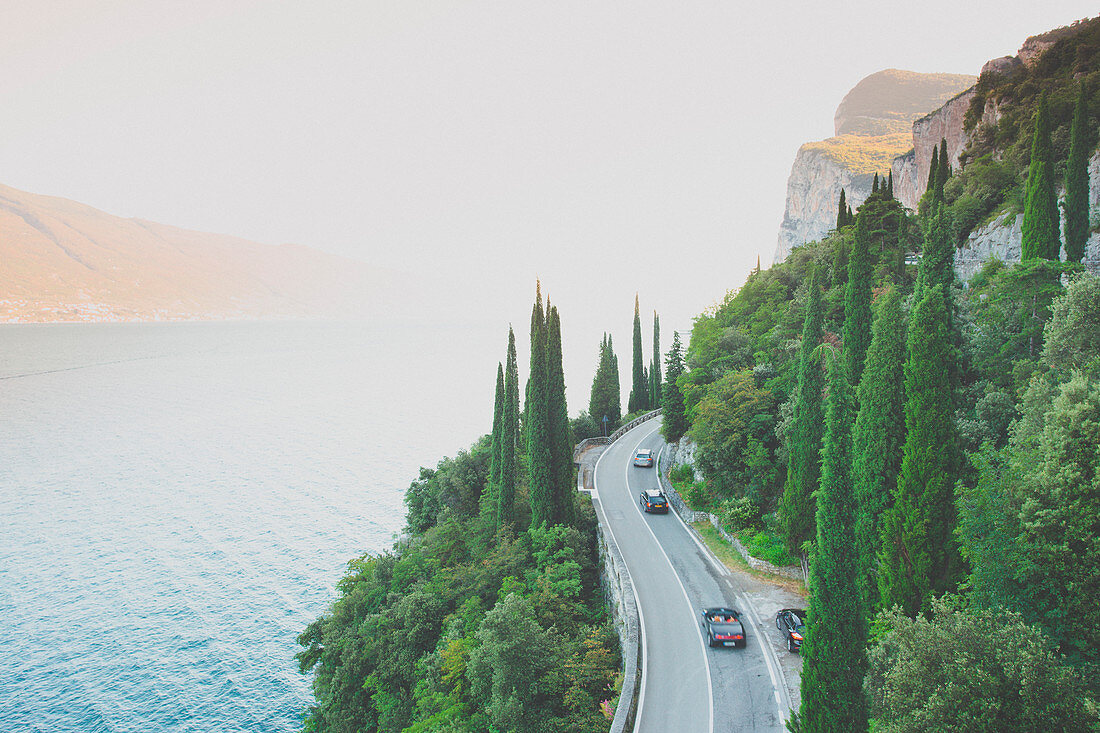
<point>485,616</point>
<point>1002,119</point>
<point>974,431</point>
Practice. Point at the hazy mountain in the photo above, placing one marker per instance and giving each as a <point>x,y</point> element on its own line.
<point>64,261</point>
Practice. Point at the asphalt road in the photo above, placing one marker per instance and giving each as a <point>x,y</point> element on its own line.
<point>687,687</point>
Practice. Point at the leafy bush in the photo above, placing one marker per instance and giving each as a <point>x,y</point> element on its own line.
<point>767,546</point>
<point>741,513</point>
<point>682,474</point>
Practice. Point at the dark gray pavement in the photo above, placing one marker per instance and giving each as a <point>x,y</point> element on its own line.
<point>686,687</point>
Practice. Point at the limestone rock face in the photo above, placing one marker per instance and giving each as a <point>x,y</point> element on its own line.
<point>1003,237</point>
<point>872,127</point>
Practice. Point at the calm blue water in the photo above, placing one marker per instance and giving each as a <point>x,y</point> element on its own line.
<point>177,502</point>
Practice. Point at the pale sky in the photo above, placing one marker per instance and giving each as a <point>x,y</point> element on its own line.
<point>608,147</point>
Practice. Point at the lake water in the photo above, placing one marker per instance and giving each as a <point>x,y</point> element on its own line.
<point>177,502</point>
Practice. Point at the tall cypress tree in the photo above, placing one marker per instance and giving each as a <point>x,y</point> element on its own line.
<point>655,366</point>
<point>804,456</point>
<point>841,212</point>
<point>536,421</point>
<point>639,389</point>
<point>561,454</point>
<point>933,170</point>
<point>874,185</point>
<point>857,299</point>
<point>920,555</point>
<point>1040,228</point>
<point>509,438</point>
<point>495,464</point>
<point>604,398</point>
<point>944,170</point>
<point>834,661</point>
<point>890,186</point>
<point>879,434</point>
<point>937,264</point>
<point>1077,181</point>
<point>674,412</point>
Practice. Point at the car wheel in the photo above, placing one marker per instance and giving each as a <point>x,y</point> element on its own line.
<point>777,624</point>
<point>790,644</point>
<point>712,641</point>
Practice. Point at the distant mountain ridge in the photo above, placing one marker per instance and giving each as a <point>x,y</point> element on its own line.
<point>65,261</point>
<point>872,127</point>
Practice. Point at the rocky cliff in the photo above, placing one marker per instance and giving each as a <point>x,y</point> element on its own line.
<point>64,261</point>
<point>1002,238</point>
<point>872,127</point>
<point>947,122</point>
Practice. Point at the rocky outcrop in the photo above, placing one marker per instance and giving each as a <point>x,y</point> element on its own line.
<point>872,127</point>
<point>945,123</point>
<point>813,190</point>
<point>1002,238</point>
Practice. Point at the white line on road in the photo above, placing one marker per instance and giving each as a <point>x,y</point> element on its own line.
<point>687,599</point>
<point>633,589</point>
<point>770,661</point>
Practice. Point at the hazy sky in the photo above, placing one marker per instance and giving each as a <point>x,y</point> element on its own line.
<point>610,147</point>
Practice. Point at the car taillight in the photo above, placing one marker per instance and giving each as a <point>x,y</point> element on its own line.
<point>736,636</point>
<point>796,636</point>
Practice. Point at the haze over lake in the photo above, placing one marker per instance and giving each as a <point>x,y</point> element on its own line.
<point>177,502</point>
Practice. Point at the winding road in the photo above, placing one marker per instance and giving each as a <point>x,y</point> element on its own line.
<point>686,686</point>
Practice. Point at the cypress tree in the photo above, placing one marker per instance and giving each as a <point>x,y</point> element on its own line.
<point>1076,204</point>
<point>933,170</point>
<point>857,299</point>
<point>495,465</point>
<point>604,399</point>
<point>804,460</point>
<point>874,186</point>
<point>834,661</point>
<point>849,217</point>
<point>536,421</point>
<point>509,437</point>
<point>639,389</point>
<point>616,386</point>
<point>674,412</point>
<point>890,186</point>
<point>1040,228</point>
<point>920,555</point>
<point>944,170</point>
<point>841,212</point>
<point>879,434</point>
<point>937,264</point>
<point>655,366</point>
<point>561,453</point>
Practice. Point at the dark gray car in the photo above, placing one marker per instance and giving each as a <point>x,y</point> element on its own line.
<point>723,626</point>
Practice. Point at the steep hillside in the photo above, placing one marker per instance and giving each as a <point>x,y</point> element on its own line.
<point>873,126</point>
<point>64,261</point>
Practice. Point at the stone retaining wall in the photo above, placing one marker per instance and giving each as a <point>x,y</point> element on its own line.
<point>690,516</point>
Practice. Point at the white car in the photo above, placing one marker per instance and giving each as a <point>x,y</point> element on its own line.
<point>644,458</point>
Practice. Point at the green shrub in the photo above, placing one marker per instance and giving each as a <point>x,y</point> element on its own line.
<point>767,546</point>
<point>682,474</point>
<point>740,514</point>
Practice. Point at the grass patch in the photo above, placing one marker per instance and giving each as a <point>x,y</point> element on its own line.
<point>731,558</point>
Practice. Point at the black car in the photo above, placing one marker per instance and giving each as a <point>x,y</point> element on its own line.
<point>652,500</point>
<point>792,622</point>
<point>723,627</point>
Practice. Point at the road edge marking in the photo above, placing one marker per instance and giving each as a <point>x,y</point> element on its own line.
<point>634,592</point>
<point>770,658</point>
<point>687,598</point>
